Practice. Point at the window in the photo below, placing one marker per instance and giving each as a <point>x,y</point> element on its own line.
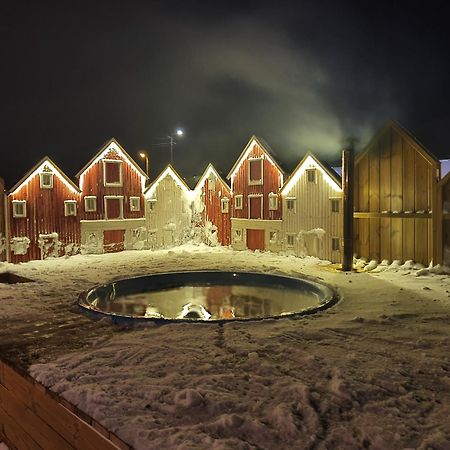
<point>335,205</point>
<point>135,203</point>
<point>238,201</point>
<point>237,237</point>
<point>335,244</point>
<point>273,201</point>
<point>273,237</point>
<point>90,203</point>
<point>290,240</point>
<point>311,175</point>
<point>19,208</point>
<point>291,204</point>
<point>70,208</point>
<point>46,180</point>
<point>224,204</point>
<point>113,206</point>
<point>112,172</point>
<point>211,183</point>
<point>151,205</point>
<point>255,171</point>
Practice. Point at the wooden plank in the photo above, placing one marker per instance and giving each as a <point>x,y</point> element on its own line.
<point>374,239</point>
<point>14,434</point>
<point>385,239</point>
<point>397,239</point>
<point>397,173</point>
<point>363,226</point>
<point>375,215</point>
<point>421,241</point>
<point>385,172</point>
<point>408,240</point>
<point>408,178</point>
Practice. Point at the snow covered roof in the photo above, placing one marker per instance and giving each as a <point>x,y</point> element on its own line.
<point>248,148</point>
<point>168,171</point>
<point>210,170</point>
<point>445,167</point>
<point>45,161</point>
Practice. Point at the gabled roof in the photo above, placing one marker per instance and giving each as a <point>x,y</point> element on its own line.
<point>168,171</point>
<point>209,169</point>
<point>445,179</point>
<point>445,167</point>
<point>45,161</point>
<point>104,149</point>
<point>407,135</point>
<point>266,149</point>
<point>333,179</point>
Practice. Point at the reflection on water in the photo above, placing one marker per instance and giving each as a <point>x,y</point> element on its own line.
<point>206,302</point>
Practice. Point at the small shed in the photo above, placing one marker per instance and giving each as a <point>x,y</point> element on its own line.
<point>43,214</point>
<point>2,220</point>
<point>395,198</point>
<point>256,179</point>
<point>312,211</point>
<point>212,208</point>
<point>168,213</point>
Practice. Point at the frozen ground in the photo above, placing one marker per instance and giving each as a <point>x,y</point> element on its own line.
<point>372,372</point>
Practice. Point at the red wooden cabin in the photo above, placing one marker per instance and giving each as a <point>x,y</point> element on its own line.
<point>43,214</point>
<point>112,207</point>
<point>256,214</point>
<point>214,204</point>
<point>2,221</point>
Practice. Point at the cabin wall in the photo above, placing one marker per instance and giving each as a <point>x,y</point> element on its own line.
<point>168,223</point>
<point>44,216</point>
<point>242,229</point>
<point>446,222</point>
<point>312,221</point>
<point>2,221</point>
<point>393,179</point>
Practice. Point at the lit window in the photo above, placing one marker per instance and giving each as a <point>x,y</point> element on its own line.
<point>311,175</point>
<point>335,244</point>
<point>46,180</point>
<point>19,208</point>
<point>112,172</point>
<point>151,205</point>
<point>70,208</point>
<point>334,205</point>
<point>238,201</point>
<point>290,240</point>
<point>135,203</point>
<point>255,171</point>
<point>273,201</point>
<point>225,204</point>
<point>291,204</point>
<point>90,203</point>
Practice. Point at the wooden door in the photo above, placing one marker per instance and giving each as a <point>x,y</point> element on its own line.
<point>113,208</point>
<point>255,207</point>
<point>255,239</point>
<point>113,241</point>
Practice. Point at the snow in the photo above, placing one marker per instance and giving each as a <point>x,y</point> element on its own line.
<point>19,245</point>
<point>371,372</point>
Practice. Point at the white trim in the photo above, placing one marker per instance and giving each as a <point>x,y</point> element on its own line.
<point>241,197</point>
<point>134,207</point>
<point>261,196</point>
<point>66,208</point>
<point>151,201</point>
<point>105,203</point>
<point>115,183</point>
<point>24,212</point>
<point>273,195</point>
<point>292,235</point>
<point>261,180</point>
<point>169,171</point>
<point>90,197</point>
<point>224,205</point>
<point>46,186</point>
<point>294,200</point>
<point>308,171</point>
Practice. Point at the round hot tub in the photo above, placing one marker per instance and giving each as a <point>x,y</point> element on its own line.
<point>206,296</point>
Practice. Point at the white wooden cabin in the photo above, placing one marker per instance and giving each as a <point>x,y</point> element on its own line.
<point>168,210</point>
<point>312,211</point>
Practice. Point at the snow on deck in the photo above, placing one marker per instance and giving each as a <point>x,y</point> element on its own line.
<point>372,372</point>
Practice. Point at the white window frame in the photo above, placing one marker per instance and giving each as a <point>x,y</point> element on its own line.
<point>86,201</point>
<point>273,201</point>
<point>237,235</point>
<point>311,170</point>
<point>275,233</point>
<point>338,200</point>
<point>105,203</point>
<point>133,206</point>
<point>290,235</point>
<point>15,212</point>
<point>236,198</point>
<point>260,181</point>
<point>294,200</point>
<point>225,205</point>
<point>334,239</point>
<point>67,205</point>
<point>113,161</point>
<point>41,180</point>
<point>262,205</point>
<point>152,202</point>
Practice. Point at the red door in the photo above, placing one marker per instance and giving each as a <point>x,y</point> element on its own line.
<point>255,239</point>
<point>113,240</point>
<point>255,205</point>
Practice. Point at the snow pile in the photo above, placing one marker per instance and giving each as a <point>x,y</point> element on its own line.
<point>19,245</point>
<point>49,245</point>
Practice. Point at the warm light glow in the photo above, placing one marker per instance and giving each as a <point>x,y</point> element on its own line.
<point>142,155</point>
<point>168,172</point>
<point>309,162</point>
<point>180,132</point>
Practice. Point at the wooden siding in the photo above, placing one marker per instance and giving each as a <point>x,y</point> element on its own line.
<point>44,215</point>
<point>2,221</point>
<point>212,195</point>
<point>272,179</point>
<point>313,211</point>
<point>169,222</point>
<point>445,225</point>
<point>394,176</point>
<point>92,183</point>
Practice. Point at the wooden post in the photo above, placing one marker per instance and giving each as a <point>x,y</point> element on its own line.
<point>348,168</point>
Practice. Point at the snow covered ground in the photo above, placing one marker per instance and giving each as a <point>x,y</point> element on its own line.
<point>372,372</point>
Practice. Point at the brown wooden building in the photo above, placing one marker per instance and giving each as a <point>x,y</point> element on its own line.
<point>396,198</point>
<point>443,233</point>
<point>112,210</point>
<point>256,211</point>
<point>213,203</point>
<point>43,214</point>
<point>2,220</point>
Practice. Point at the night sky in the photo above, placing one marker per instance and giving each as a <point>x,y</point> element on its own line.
<point>302,75</point>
